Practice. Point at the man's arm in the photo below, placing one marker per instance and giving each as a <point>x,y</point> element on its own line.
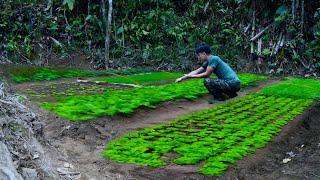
<point>192,73</point>
<point>197,71</point>
<point>205,74</point>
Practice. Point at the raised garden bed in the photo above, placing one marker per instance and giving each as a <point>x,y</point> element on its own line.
<point>111,102</point>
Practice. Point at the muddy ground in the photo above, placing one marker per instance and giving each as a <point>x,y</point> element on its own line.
<point>78,146</point>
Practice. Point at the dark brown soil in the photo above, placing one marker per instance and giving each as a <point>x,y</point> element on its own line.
<point>45,91</point>
<point>82,145</point>
<point>300,139</point>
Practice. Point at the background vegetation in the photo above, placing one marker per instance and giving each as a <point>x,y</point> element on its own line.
<point>163,34</point>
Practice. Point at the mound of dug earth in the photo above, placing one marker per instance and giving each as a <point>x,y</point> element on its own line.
<point>21,154</point>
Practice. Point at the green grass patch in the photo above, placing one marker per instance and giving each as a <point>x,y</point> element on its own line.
<point>80,108</point>
<point>24,74</point>
<point>142,78</point>
<point>295,88</point>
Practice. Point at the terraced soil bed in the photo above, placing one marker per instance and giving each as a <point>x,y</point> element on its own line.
<point>113,102</point>
<point>84,144</point>
<point>212,140</point>
<point>232,140</point>
<point>299,138</point>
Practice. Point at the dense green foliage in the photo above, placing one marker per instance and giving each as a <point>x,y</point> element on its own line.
<point>218,136</point>
<point>163,34</point>
<point>142,78</point>
<point>24,74</point>
<point>142,29</point>
<point>79,108</point>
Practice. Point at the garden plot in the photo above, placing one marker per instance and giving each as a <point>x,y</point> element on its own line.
<point>47,91</point>
<point>112,102</point>
<point>217,137</point>
<point>154,78</point>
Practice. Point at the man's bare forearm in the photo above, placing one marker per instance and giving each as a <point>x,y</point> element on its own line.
<point>190,75</point>
<point>201,75</point>
<point>193,73</point>
<point>205,74</point>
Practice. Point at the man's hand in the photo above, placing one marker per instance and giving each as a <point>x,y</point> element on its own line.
<point>186,76</point>
<point>178,80</point>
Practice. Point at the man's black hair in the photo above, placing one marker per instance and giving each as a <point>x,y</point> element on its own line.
<point>203,47</point>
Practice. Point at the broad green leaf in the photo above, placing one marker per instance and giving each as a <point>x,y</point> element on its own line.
<point>70,3</point>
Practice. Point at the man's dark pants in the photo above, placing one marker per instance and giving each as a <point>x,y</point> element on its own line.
<point>218,87</point>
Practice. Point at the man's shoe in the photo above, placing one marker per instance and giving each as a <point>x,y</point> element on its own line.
<point>232,95</point>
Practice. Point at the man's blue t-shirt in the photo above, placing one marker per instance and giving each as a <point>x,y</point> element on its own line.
<point>221,69</point>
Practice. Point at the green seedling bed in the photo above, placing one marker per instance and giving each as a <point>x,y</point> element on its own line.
<point>219,136</point>
<point>80,108</point>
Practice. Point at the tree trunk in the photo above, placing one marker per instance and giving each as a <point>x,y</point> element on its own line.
<point>293,8</point>
<point>253,26</point>
<point>302,16</point>
<point>86,26</point>
<point>104,17</point>
<point>107,37</point>
<point>123,45</point>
